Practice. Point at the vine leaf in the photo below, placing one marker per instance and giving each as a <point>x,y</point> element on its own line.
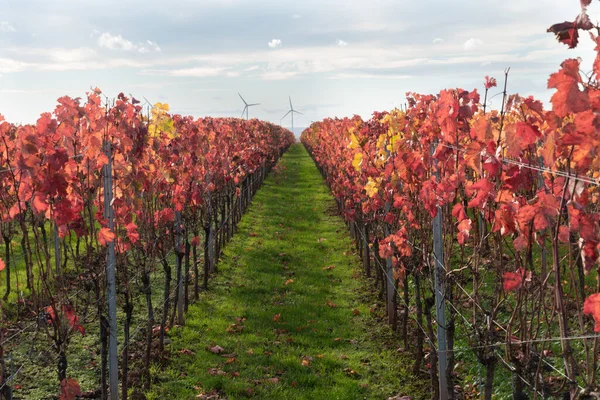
<point>106,236</point>
<point>592,306</point>
<point>69,389</point>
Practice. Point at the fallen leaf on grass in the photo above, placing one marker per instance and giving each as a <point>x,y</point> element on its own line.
<point>355,311</point>
<point>234,328</point>
<point>277,317</point>
<point>330,304</point>
<point>216,349</point>
<point>216,372</point>
<point>231,360</point>
<point>186,351</point>
<point>212,395</point>
<point>253,234</point>
<point>273,380</point>
<point>289,281</point>
<point>305,363</point>
<point>250,351</point>
<point>328,268</point>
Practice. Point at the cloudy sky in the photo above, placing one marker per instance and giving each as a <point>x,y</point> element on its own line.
<point>334,57</point>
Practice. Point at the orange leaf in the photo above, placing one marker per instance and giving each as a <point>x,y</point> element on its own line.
<point>106,236</point>
<point>592,306</point>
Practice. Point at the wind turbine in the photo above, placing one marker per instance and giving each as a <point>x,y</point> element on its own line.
<point>247,106</point>
<point>292,111</point>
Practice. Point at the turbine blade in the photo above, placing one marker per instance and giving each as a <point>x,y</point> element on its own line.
<point>244,111</point>
<point>291,106</point>
<point>286,114</point>
<point>298,112</point>
<point>242,99</point>
<point>253,104</point>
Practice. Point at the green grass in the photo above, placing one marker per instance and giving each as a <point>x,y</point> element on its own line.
<point>287,323</point>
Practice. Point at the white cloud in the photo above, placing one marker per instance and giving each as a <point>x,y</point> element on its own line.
<point>149,46</point>
<point>486,63</point>
<point>6,27</point>
<point>274,43</point>
<point>472,44</point>
<point>438,40</point>
<point>118,42</point>
<point>198,72</point>
<point>368,76</point>
<point>296,16</point>
<point>341,43</point>
<point>8,65</point>
<point>278,75</point>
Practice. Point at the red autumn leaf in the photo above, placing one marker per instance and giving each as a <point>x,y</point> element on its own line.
<point>583,21</point>
<point>591,306</point>
<point>39,204</point>
<point>568,98</point>
<point>69,389</point>
<point>50,315</point>
<point>589,254</point>
<point>73,319</point>
<point>458,212</point>
<point>195,241</point>
<point>513,280</point>
<point>464,229</point>
<point>534,105</point>
<point>542,212</point>
<point>2,264</point>
<point>563,234</point>
<point>505,220</point>
<point>519,137</point>
<point>277,317</point>
<point>527,134</point>
<point>106,236</point>
<point>490,82</point>
<point>521,243</point>
<point>566,32</point>
<point>483,190</point>
<point>586,122</point>
<point>132,232</point>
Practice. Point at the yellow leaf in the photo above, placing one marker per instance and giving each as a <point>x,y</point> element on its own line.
<point>371,188</point>
<point>354,144</point>
<point>357,162</point>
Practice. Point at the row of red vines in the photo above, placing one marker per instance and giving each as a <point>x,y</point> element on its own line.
<point>518,191</point>
<point>170,174</point>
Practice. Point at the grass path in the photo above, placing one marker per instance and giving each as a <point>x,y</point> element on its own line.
<point>289,309</point>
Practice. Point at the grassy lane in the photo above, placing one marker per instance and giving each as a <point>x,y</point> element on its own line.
<point>288,313</point>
